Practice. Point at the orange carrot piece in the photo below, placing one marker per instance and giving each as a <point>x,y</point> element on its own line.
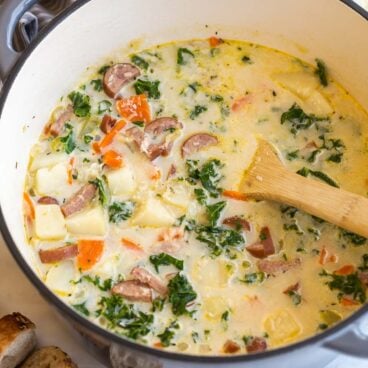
<point>89,253</point>
<point>345,270</point>
<point>109,137</point>
<point>134,108</point>
<point>131,245</point>
<point>158,345</point>
<point>323,256</point>
<point>156,175</point>
<point>28,206</point>
<point>96,147</point>
<point>215,41</point>
<point>112,159</point>
<point>347,302</point>
<point>241,102</point>
<point>70,170</point>
<point>233,194</point>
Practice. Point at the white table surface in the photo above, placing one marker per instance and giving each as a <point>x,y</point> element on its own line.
<point>17,294</point>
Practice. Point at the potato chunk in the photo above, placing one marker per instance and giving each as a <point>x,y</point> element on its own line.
<point>121,181</point>
<point>42,160</point>
<point>52,181</point>
<point>300,83</point>
<point>59,276</point>
<point>89,222</point>
<point>317,104</point>
<point>49,222</point>
<point>153,214</point>
<point>178,194</point>
<point>281,327</point>
<point>213,307</point>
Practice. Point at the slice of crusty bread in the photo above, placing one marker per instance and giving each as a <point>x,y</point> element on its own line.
<point>49,357</point>
<point>17,339</point>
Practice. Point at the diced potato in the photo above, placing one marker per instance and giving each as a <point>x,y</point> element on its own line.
<point>52,181</point>
<point>330,317</point>
<point>212,273</point>
<point>213,307</point>
<point>59,276</point>
<point>121,182</point>
<point>317,104</point>
<point>152,213</point>
<point>303,84</point>
<point>48,160</point>
<point>178,194</point>
<point>89,222</point>
<point>49,222</point>
<point>281,327</point>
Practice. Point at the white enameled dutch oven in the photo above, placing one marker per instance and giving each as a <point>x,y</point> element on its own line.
<point>334,30</point>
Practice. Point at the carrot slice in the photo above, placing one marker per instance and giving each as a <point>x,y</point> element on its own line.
<point>233,194</point>
<point>346,302</point>
<point>96,147</point>
<point>215,41</point>
<point>89,253</point>
<point>70,170</point>
<point>323,256</point>
<point>112,159</point>
<point>131,245</point>
<point>109,137</point>
<point>345,270</point>
<point>134,108</point>
<point>28,206</point>
<point>158,345</point>
<point>241,102</point>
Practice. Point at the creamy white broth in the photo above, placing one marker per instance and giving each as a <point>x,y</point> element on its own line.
<point>237,92</point>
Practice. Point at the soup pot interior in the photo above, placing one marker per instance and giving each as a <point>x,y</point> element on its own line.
<point>327,29</point>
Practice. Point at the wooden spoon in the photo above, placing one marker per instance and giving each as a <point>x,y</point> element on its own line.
<point>267,178</point>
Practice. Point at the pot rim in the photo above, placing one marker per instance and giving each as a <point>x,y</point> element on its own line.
<point>89,325</point>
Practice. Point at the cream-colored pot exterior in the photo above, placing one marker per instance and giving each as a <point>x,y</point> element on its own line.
<point>328,29</point>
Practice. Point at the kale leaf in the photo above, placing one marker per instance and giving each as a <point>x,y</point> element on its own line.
<point>120,211</point>
<point>81,104</point>
<point>150,87</point>
<point>164,259</point>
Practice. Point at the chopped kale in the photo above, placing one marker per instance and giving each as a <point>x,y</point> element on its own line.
<point>296,298</point>
<point>364,265</point>
<point>104,106</point>
<point>247,60</point>
<point>81,104</point>
<point>138,123</point>
<point>347,285</point>
<point>214,211</point>
<point>218,239</point>
<point>195,337</point>
<point>216,98</point>
<point>81,308</point>
<point>97,84</point>
<point>164,259</point>
<point>294,227</point>
<point>120,211</point>
<point>104,285</point>
<point>181,293</point>
<point>158,304</point>
<point>87,139</point>
<point>298,119</point>
<point>352,237</point>
<point>151,88</point>
<point>198,109</point>
<point>102,191</point>
<point>252,278</point>
<point>103,69</point>
<point>292,155</point>
<point>321,72</point>
<point>318,174</point>
<point>168,334</point>
<point>200,195</point>
<point>183,56</point>
<point>134,324</point>
<point>140,62</point>
<point>68,140</point>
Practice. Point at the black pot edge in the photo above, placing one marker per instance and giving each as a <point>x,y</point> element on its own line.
<point>50,296</point>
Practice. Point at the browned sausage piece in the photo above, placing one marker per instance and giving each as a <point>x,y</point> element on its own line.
<point>57,127</point>
<point>237,223</point>
<point>79,200</point>
<point>137,135</point>
<point>231,347</point>
<point>133,290</point>
<point>155,150</point>
<point>146,277</point>
<point>172,171</point>
<point>160,125</point>
<point>294,287</point>
<point>58,254</point>
<point>273,267</point>
<point>196,142</point>
<point>47,200</point>
<point>107,123</point>
<point>264,247</point>
<point>256,345</point>
<point>117,76</point>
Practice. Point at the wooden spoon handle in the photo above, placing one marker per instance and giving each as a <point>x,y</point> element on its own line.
<point>337,206</point>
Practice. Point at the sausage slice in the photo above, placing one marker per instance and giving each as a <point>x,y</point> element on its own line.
<point>57,127</point>
<point>231,347</point>
<point>161,125</point>
<point>47,200</point>
<point>237,222</point>
<point>117,76</point>
<point>146,277</point>
<point>133,290</point>
<point>137,136</point>
<point>155,150</point>
<point>58,254</point>
<point>196,142</point>
<point>79,200</point>
<point>107,123</point>
<point>256,345</point>
<point>264,247</point>
<point>273,267</point>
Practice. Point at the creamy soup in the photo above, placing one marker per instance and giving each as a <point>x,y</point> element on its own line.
<point>133,208</point>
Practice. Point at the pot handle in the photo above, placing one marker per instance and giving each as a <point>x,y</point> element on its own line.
<point>353,341</point>
<point>10,13</point>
